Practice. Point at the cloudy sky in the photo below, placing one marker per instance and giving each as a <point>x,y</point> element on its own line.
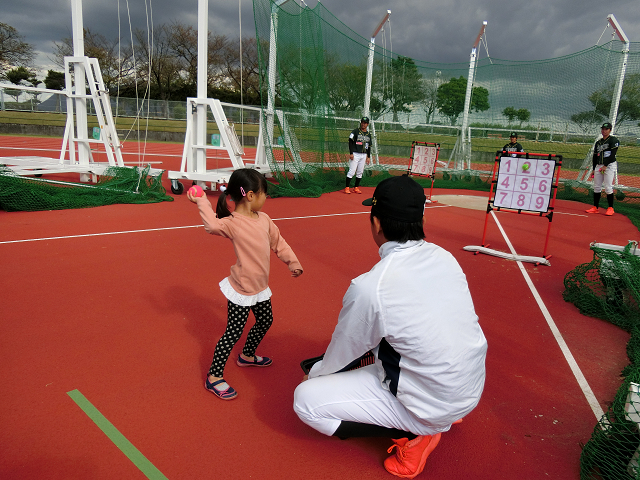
<point>427,30</point>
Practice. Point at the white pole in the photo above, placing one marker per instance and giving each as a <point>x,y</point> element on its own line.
<point>273,53</point>
<point>613,113</point>
<point>467,98</point>
<point>201,107</point>
<point>80,83</point>
<point>372,44</point>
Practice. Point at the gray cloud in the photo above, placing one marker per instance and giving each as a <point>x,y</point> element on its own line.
<point>427,30</point>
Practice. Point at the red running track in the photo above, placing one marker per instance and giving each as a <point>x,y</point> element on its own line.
<point>122,304</point>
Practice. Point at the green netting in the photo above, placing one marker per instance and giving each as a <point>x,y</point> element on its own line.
<point>608,287</point>
<point>115,185</point>
<point>313,70</point>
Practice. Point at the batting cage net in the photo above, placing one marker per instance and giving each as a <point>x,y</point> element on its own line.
<point>115,185</point>
<point>608,287</point>
<point>313,70</point>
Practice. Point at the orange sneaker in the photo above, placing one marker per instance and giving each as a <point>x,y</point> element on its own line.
<point>592,210</point>
<point>346,190</point>
<point>609,211</point>
<point>357,190</point>
<point>411,455</point>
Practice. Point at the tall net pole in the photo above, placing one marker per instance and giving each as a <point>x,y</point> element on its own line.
<point>465,141</point>
<point>620,80</point>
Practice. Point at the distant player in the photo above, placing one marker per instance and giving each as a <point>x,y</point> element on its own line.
<point>513,145</point>
<point>359,153</point>
<point>414,312</point>
<point>605,167</point>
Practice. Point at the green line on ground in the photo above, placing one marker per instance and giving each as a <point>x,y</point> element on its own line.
<point>120,441</point>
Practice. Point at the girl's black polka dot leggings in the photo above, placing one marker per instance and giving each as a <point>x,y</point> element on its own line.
<point>237,317</point>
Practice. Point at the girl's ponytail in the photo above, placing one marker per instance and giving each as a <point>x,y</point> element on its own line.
<point>241,181</point>
<point>222,209</point>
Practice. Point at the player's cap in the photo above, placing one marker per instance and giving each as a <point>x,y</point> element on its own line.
<point>513,134</point>
<point>607,125</point>
<point>364,120</point>
<point>400,198</point>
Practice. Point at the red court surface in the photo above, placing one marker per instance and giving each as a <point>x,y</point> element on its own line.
<point>122,304</point>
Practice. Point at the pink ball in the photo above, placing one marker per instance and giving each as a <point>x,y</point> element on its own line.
<point>196,191</point>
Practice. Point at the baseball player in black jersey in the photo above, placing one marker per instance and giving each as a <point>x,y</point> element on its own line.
<point>605,167</point>
<point>359,153</point>
<point>513,145</point>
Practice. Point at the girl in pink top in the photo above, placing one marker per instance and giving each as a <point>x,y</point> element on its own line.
<point>253,235</point>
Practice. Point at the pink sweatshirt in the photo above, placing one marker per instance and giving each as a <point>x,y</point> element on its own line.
<point>252,239</point>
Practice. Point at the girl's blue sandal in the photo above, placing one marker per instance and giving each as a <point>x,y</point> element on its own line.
<point>257,361</point>
<point>228,394</point>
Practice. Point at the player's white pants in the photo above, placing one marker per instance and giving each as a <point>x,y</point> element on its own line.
<point>356,166</point>
<point>355,396</point>
<point>607,179</point>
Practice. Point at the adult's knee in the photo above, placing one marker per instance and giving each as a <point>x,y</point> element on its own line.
<point>301,396</point>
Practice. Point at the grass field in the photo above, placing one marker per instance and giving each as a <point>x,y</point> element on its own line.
<point>386,139</point>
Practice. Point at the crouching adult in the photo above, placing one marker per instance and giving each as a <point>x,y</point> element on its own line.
<point>414,312</point>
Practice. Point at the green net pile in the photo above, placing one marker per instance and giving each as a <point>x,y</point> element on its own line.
<point>115,185</point>
<point>608,287</point>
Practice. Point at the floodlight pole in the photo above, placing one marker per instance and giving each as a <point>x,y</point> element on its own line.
<point>466,142</point>
<point>372,44</point>
<point>613,113</point>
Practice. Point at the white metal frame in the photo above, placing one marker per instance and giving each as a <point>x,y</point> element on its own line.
<point>76,135</point>
<point>194,157</point>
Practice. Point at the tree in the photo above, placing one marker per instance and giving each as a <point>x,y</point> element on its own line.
<point>587,121</point>
<point>451,95</point>
<point>302,78</point>
<point>159,68</point>
<point>405,87</point>
<point>115,60</point>
<point>233,77</point>
<point>430,96</point>
<point>346,85</point>
<point>629,106</point>
<point>511,113</point>
<point>13,49</point>
<point>54,80</point>
<point>523,115</point>
<point>22,76</point>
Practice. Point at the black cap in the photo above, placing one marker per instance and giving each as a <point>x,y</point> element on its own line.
<point>364,120</point>
<point>400,198</point>
<point>513,134</point>
<point>607,125</point>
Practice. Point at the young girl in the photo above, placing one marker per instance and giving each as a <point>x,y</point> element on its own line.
<point>253,235</point>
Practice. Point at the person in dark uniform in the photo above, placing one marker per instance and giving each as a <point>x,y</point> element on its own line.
<point>359,153</point>
<point>605,168</point>
<point>513,145</point>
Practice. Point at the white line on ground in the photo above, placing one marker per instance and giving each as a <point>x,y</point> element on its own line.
<point>582,381</point>
<point>160,229</point>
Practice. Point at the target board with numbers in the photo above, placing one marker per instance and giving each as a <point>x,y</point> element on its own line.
<point>423,158</point>
<point>422,162</point>
<point>525,184</point>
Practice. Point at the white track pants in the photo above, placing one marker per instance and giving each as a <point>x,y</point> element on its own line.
<point>355,396</point>
<point>607,179</point>
<point>356,166</point>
